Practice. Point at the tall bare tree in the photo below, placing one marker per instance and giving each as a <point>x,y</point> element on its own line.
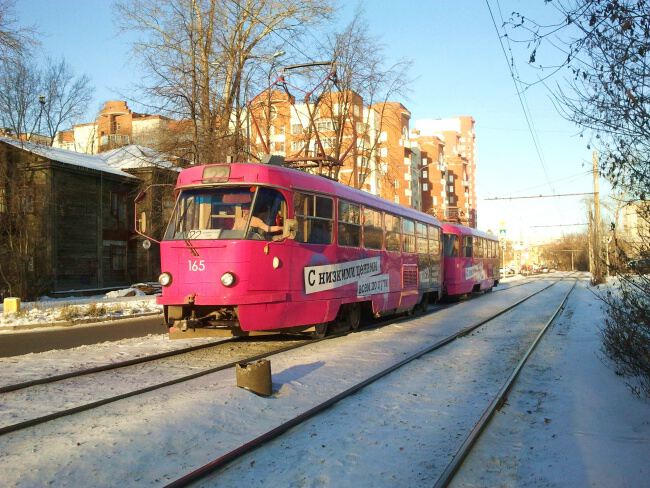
<point>15,40</point>
<point>19,96</point>
<point>66,96</point>
<point>197,53</point>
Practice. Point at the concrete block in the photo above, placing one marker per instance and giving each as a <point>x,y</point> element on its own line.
<point>11,305</point>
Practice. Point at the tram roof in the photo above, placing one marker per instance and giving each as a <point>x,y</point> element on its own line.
<point>258,173</point>
<point>451,228</point>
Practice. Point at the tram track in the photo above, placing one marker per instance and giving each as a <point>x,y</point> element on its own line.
<point>40,419</point>
<point>498,401</point>
<point>268,436</point>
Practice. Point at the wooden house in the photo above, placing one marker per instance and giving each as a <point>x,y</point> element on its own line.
<point>67,219</point>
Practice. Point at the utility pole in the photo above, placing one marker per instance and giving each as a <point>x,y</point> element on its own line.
<point>597,270</point>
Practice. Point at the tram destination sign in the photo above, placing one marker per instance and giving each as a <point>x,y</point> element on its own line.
<point>330,276</point>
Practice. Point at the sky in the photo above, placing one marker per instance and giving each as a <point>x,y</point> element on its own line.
<point>458,69</point>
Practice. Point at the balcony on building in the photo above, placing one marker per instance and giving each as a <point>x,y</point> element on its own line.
<point>113,141</point>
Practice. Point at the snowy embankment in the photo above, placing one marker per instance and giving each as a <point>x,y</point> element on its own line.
<point>129,302</point>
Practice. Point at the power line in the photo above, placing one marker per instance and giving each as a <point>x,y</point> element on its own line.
<point>521,101</point>
<point>555,225</point>
<point>540,196</point>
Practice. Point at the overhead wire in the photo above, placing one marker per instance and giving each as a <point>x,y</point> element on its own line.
<point>521,99</point>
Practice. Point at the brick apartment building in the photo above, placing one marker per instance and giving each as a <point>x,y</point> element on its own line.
<point>117,125</point>
<point>431,168</point>
<point>455,168</point>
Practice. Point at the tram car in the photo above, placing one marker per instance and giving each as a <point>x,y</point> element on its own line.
<point>261,247</point>
<point>470,262</point>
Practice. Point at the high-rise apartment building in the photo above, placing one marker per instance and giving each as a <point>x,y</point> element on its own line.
<point>459,139</point>
<point>431,167</point>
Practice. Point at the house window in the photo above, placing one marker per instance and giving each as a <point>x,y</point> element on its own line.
<point>27,201</point>
<point>118,258</point>
<point>118,208</point>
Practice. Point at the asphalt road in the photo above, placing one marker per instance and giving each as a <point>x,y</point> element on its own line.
<point>48,338</point>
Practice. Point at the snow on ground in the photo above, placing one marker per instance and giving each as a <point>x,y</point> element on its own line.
<point>570,421</point>
<point>128,302</point>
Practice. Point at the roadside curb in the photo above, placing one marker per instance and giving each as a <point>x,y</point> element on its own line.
<point>72,323</point>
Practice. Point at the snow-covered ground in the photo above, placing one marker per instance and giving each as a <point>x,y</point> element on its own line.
<point>129,302</point>
<point>569,412</point>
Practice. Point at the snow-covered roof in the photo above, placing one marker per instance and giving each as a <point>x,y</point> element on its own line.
<point>134,156</point>
<point>73,158</point>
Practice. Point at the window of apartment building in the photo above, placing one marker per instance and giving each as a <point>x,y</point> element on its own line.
<point>383,152</point>
<point>362,128</point>
<point>314,215</point>
<point>297,146</point>
<point>396,198</point>
<point>349,227</point>
<point>435,201</point>
<point>296,128</point>
<point>326,124</point>
<point>328,142</point>
<point>425,173</point>
<point>281,130</point>
<point>451,178</point>
<point>383,137</point>
<point>450,189</point>
<point>356,110</point>
<point>425,187</point>
<point>279,146</point>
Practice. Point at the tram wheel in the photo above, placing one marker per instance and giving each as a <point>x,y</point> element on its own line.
<point>353,316</point>
<point>320,330</point>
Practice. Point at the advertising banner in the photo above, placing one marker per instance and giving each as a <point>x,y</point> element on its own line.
<point>330,276</point>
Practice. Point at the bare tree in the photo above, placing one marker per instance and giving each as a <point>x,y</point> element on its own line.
<point>197,54</point>
<point>604,46</point>
<point>66,96</point>
<point>19,96</point>
<point>14,40</point>
<point>362,70</point>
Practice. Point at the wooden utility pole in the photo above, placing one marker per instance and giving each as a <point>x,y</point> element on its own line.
<point>597,274</point>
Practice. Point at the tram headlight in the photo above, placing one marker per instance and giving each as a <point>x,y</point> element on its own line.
<point>165,279</point>
<point>227,279</point>
<point>276,262</point>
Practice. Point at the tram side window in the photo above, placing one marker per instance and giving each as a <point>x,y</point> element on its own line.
<point>478,247</point>
<point>468,251</point>
<point>408,235</point>
<point>434,241</point>
<point>451,246</point>
<point>349,227</point>
<point>421,235</point>
<point>373,233</point>
<point>392,225</point>
<point>314,215</point>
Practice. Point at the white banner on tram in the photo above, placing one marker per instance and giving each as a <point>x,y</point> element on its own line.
<point>373,285</point>
<point>330,276</point>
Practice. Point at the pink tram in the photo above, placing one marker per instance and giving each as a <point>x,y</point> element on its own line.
<point>471,260</point>
<point>260,247</point>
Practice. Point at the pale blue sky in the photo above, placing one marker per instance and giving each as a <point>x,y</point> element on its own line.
<point>458,68</point>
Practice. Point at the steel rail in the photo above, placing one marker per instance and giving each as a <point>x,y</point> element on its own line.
<point>496,404</point>
<point>230,456</point>
<point>108,367</point>
<point>89,406</point>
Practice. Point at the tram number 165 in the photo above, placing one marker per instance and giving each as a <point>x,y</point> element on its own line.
<point>196,264</point>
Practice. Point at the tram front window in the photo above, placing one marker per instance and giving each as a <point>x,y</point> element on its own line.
<point>228,213</point>
<point>450,245</point>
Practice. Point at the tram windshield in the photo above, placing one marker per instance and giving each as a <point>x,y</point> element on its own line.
<point>228,213</point>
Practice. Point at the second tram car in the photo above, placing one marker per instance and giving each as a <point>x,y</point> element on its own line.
<point>259,247</point>
<point>471,260</point>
